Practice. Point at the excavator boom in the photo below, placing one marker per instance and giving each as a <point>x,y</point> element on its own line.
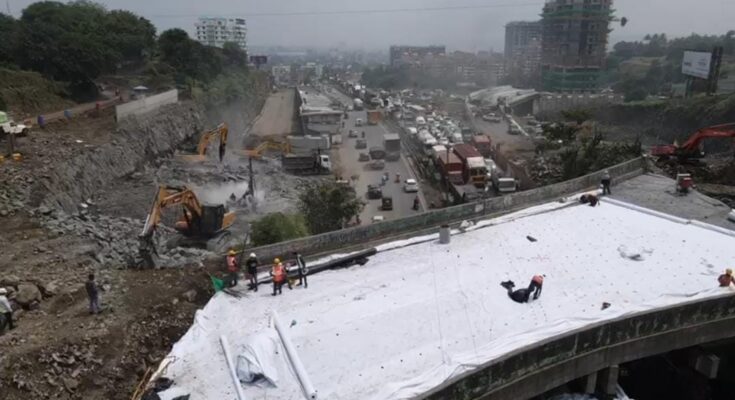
<point>690,148</point>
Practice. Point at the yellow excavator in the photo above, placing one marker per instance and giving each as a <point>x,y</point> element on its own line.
<point>207,137</point>
<point>271,145</point>
<point>198,221</point>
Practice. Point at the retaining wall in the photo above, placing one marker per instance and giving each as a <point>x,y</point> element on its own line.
<point>146,105</point>
<point>498,205</point>
<point>533,370</point>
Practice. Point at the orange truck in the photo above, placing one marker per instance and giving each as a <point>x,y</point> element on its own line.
<point>374,117</point>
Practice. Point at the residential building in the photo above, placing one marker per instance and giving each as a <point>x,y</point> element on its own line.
<point>574,44</point>
<point>282,74</point>
<point>218,31</point>
<point>519,35</point>
<point>401,55</point>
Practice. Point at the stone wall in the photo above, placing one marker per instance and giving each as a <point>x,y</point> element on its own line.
<point>535,369</point>
<point>364,234</point>
<point>146,105</point>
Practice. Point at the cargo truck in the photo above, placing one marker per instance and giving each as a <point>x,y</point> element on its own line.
<point>450,166</point>
<point>307,164</point>
<point>474,169</point>
<point>483,144</point>
<point>374,117</point>
<point>392,146</point>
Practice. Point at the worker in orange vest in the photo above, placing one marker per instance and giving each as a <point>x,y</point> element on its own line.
<point>232,267</point>
<point>537,283</point>
<point>726,279</point>
<point>279,276</point>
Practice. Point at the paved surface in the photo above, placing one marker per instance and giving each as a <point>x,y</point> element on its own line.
<point>347,158</point>
<point>276,119</point>
<point>657,193</point>
<point>499,134</point>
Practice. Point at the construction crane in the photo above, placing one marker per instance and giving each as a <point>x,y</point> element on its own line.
<point>691,148</point>
<point>198,221</point>
<point>207,137</point>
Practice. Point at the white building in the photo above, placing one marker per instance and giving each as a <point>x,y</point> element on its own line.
<point>217,31</point>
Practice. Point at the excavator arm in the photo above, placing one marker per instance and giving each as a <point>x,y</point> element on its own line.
<point>170,196</point>
<point>221,130</point>
<point>717,131</point>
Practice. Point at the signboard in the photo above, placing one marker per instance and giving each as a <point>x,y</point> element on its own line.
<point>259,60</point>
<point>696,64</point>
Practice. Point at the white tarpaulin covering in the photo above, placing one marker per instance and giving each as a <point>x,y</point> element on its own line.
<point>419,313</point>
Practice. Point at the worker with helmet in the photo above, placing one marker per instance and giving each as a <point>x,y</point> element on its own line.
<point>252,271</point>
<point>278,272</point>
<point>537,283</point>
<point>232,267</point>
<point>726,279</point>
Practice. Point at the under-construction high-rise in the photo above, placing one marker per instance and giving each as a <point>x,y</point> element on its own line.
<point>574,43</point>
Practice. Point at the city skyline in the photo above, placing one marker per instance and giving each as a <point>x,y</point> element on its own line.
<point>464,26</point>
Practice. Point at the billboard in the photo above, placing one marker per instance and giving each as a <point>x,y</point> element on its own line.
<point>696,64</point>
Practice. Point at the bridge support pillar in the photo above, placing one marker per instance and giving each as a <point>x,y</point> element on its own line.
<point>609,380</point>
<point>590,383</point>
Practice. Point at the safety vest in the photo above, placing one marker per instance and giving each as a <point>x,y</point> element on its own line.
<point>232,263</point>
<point>538,279</point>
<point>279,273</point>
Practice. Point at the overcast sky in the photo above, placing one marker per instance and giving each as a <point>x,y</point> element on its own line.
<point>469,28</point>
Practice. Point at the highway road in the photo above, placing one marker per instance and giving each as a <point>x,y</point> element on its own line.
<point>347,160</point>
<point>499,134</point>
<point>276,118</point>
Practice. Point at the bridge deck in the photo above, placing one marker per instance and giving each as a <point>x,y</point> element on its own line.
<point>417,315</point>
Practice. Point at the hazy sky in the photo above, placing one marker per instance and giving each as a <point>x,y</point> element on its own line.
<point>462,29</point>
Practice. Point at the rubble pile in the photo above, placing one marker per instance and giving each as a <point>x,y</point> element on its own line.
<point>546,170</point>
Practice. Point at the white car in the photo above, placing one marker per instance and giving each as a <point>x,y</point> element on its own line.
<point>378,218</point>
<point>411,186</point>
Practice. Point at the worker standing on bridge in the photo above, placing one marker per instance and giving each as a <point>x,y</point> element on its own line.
<point>537,283</point>
<point>252,270</point>
<point>279,276</point>
<point>303,271</point>
<point>416,203</point>
<point>726,279</point>
<point>606,182</point>
<point>232,268</point>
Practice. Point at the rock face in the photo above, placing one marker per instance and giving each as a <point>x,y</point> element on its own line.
<point>138,140</point>
<point>27,294</point>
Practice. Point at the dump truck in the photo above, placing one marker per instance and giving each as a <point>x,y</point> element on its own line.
<point>392,146</point>
<point>374,117</point>
<point>307,164</point>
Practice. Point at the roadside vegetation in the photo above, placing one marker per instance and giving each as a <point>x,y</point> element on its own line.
<point>74,45</point>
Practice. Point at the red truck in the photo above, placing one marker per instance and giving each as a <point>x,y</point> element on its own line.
<point>483,144</point>
<point>451,167</point>
<point>474,169</point>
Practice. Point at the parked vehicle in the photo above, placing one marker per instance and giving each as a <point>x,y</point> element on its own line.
<point>411,186</point>
<point>492,117</point>
<point>358,122</point>
<point>474,170</point>
<point>378,218</point>
<point>357,104</point>
<point>504,184</point>
<point>374,117</point>
<point>8,126</point>
<point>361,144</point>
<point>352,134</point>
<point>450,166</point>
<point>363,157</point>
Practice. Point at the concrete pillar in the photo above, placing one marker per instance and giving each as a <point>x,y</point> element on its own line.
<point>705,363</point>
<point>590,383</point>
<point>609,380</point>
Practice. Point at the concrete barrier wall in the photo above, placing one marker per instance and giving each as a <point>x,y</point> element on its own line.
<point>538,368</point>
<point>146,105</point>
<point>367,233</point>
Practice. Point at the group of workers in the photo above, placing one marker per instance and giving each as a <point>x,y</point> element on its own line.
<point>278,272</point>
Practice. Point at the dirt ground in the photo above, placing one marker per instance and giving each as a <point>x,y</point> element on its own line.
<point>274,121</point>
<point>58,350</point>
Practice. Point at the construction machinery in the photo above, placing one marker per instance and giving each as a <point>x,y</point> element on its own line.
<point>269,145</point>
<point>207,137</point>
<point>198,222</point>
<point>691,149</point>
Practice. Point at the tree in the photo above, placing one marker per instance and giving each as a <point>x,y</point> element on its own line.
<point>328,206</point>
<point>277,227</point>
<point>234,55</point>
<point>189,57</point>
<point>8,31</point>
